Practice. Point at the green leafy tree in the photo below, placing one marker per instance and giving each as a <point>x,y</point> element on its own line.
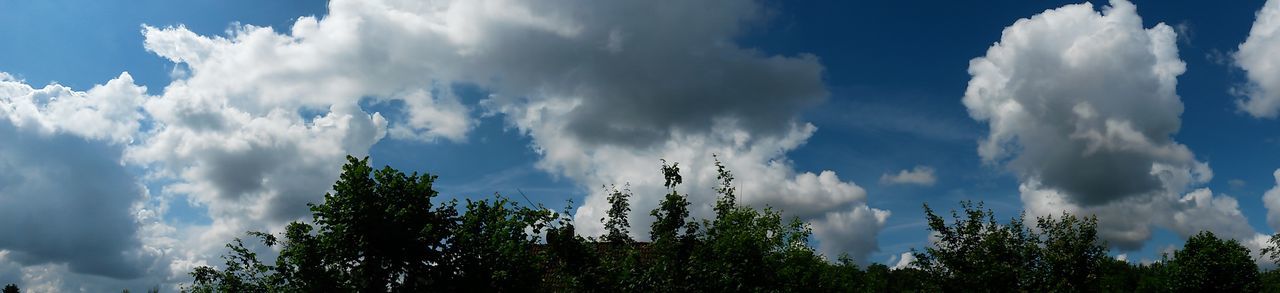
<point>745,249</point>
<point>975,253</point>
<point>378,232</point>
<point>619,261</point>
<point>843,276</point>
<point>1154,277</point>
<point>573,265</point>
<point>1209,264</point>
<point>492,248</point>
<point>243,271</point>
<point>672,213</point>
<point>878,278</point>
<point>1271,278</point>
<point>1071,254</point>
<point>671,252</point>
<point>616,225</point>
<point>1117,276</point>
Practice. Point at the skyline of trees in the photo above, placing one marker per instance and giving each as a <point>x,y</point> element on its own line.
<point>387,231</point>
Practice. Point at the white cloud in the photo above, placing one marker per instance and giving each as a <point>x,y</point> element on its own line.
<point>255,123</point>
<point>106,112</point>
<point>902,261</point>
<point>1271,199</point>
<point>1082,106</point>
<point>603,104</point>
<point>1258,59</point>
<point>79,234</point>
<point>920,175</point>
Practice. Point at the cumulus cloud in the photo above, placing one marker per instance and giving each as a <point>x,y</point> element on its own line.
<point>107,112</point>
<point>604,91</point>
<point>1082,107</point>
<point>920,175</point>
<point>255,122</point>
<point>902,261</point>
<point>1262,67</point>
<point>55,135</point>
<point>1271,199</point>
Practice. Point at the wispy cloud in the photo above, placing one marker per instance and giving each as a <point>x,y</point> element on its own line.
<point>920,175</point>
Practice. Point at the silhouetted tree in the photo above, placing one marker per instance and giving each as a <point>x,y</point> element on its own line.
<point>491,248</point>
<point>1071,253</point>
<point>1209,264</point>
<point>669,270</point>
<point>975,253</point>
<point>11,288</point>
<point>616,225</point>
<point>1117,276</point>
<point>376,233</point>
<point>383,231</point>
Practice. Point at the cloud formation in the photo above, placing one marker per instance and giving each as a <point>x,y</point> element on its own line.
<point>72,204</point>
<point>1261,65</point>
<point>1082,106</point>
<point>920,175</point>
<point>1271,199</point>
<point>255,123</point>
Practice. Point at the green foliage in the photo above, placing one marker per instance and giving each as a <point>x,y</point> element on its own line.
<point>385,231</point>
<point>976,253</point>
<point>616,225</point>
<point>671,250</point>
<point>1209,264</point>
<point>378,231</point>
<point>671,214</point>
<point>1071,254</point>
<point>1117,276</point>
<point>491,248</point>
<point>243,272</point>
<point>745,249</point>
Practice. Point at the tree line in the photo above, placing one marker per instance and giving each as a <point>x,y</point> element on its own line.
<point>387,231</point>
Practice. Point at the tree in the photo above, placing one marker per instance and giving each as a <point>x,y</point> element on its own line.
<point>243,271</point>
<point>378,232</point>
<point>1209,264</point>
<point>1117,276</point>
<point>669,270</point>
<point>572,264</point>
<point>1071,252</point>
<point>1063,254</point>
<point>616,224</point>
<point>975,253</point>
<point>11,288</point>
<point>671,214</point>
<point>492,247</point>
<point>745,249</point>
<point>383,231</point>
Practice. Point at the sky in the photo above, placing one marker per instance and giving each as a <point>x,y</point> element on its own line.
<point>137,137</point>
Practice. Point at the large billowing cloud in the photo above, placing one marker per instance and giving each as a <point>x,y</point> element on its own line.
<point>68,205</point>
<point>256,122</point>
<point>605,91</point>
<point>1257,56</point>
<point>1082,106</point>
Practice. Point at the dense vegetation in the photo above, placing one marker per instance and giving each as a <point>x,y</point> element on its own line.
<point>386,231</point>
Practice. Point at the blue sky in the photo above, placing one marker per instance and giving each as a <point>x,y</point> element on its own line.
<point>483,105</point>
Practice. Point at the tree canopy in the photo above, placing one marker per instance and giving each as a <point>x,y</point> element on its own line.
<point>387,231</point>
